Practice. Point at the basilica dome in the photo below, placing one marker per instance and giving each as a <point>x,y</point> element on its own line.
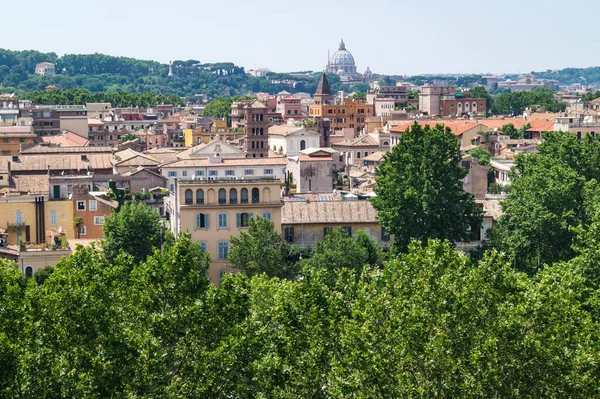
<point>342,62</point>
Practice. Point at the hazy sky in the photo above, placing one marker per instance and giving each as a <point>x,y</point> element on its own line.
<point>389,36</point>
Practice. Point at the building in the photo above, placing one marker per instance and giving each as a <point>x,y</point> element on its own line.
<point>213,210</point>
<point>257,127</point>
<point>307,220</point>
<point>445,101</point>
<point>323,95</point>
<point>92,208</point>
<point>350,114</point>
<point>9,109</point>
<point>342,64</point>
<point>289,107</point>
<point>45,68</point>
<point>290,139</point>
<point>50,120</point>
<point>312,170</point>
<point>12,138</point>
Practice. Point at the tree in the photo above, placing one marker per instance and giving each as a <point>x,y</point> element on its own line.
<point>552,193</point>
<point>43,274</point>
<point>260,250</point>
<point>78,224</point>
<point>419,189</point>
<point>135,229</point>
<point>482,156</point>
<point>481,92</point>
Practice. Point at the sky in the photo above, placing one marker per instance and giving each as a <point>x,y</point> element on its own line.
<point>393,37</point>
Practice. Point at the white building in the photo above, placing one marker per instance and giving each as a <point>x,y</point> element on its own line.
<point>289,140</point>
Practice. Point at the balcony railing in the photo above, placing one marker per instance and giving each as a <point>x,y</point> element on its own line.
<point>271,203</point>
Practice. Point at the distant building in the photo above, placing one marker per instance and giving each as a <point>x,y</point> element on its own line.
<point>9,109</point>
<point>342,64</point>
<point>45,68</point>
<point>446,101</point>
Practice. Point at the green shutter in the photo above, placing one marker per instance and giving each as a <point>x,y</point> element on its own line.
<point>198,220</point>
<point>207,220</point>
<point>238,219</point>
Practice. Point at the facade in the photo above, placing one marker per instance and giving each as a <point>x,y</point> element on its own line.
<point>213,210</point>
<point>350,114</point>
<point>289,139</point>
<point>257,130</point>
<point>289,108</point>
<point>45,68</point>
<point>312,171</point>
<point>92,208</point>
<point>12,138</point>
<point>446,101</point>
<point>9,109</point>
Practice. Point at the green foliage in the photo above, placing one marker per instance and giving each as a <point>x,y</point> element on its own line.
<point>261,250</point>
<point>481,92</point>
<point>135,229</point>
<point>419,189</point>
<point>496,188</point>
<point>78,224</point>
<point>482,156</point>
<point>514,133</point>
<point>116,99</point>
<point>540,98</point>
<point>42,275</point>
<point>130,136</point>
<point>551,193</point>
<point>221,107</point>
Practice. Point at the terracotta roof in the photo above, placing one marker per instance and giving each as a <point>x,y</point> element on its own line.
<point>66,139</point>
<point>308,158</point>
<point>138,160</point>
<point>183,163</point>
<point>457,127</point>
<point>541,125</point>
<point>38,149</point>
<point>31,184</point>
<point>282,130</point>
<point>142,169</point>
<point>302,212</point>
<point>497,123</point>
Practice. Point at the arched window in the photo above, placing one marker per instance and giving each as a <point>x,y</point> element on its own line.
<point>28,271</point>
<point>189,197</point>
<point>203,245</point>
<point>268,215</point>
<point>255,195</point>
<point>199,196</point>
<point>244,196</point>
<point>261,118</point>
<point>202,221</point>
<point>243,219</point>
<point>302,145</point>
<point>222,196</point>
<point>223,247</point>
<point>223,222</point>
<point>233,196</point>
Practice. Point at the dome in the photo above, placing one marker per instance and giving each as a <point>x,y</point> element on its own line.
<point>342,62</point>
<point>342,57</point>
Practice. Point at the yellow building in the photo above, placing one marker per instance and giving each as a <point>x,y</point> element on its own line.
<point>351,114</point>
<point>29,217</point>
<point>213,210</point>
<point>13,137</point>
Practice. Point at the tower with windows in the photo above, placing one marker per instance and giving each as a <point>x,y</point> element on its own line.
<point>257,130</point>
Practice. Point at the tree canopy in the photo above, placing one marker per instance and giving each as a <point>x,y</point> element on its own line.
<point>419,189</point>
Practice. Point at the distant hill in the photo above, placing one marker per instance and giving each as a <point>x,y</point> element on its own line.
<point>104,73</point>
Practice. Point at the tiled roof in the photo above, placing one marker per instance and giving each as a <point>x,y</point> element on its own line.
<point>541,125</point>
<point>362,141</point>
<point>323,87</point>
<point>375,157</point>
<point>38,149</point>
<point>457,127</point>
<point>21,130</point>
<point>66,139</point>
<point>31,184</point>
<point>282,130</point>
<point>302,212</point>
<point>497,123</point>
<point>64,162</point>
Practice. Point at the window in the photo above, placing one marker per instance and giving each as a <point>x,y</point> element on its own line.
<point>81,205</point>
<point>93,205</point>
<point>22,140</point>
<point>98,219</point>
<point>230,172</point>
<point>268,215</point>
<point>255,195</point>
<point>52,218</point>
<point>268,171</point>
<point>384,235</point>
<point>288,233</point>
<point>326,230</point>
<point>5,140</point>
<point>82,231</point>
<point>348,230</point>
<point>184,173</point>
<point>203,245</point>
<point>357,154</point>
<point>199,173</point>
<point>222,196</point>
<point>243,219</point>
<point>189,197</point>
<point>233,196</point>
<point>366,153</point>
<point>28,271</point>
<point>200,196</point>
<point>213,172</point>
<point>223,222</point>
<point>19,217</point>
<point>302,145</point>
<point>202,221</point>
<point>172,173</point>
<point>223,250</point>
<point>172,188</point>
<point>248,172</point>
<point>244,196</point>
